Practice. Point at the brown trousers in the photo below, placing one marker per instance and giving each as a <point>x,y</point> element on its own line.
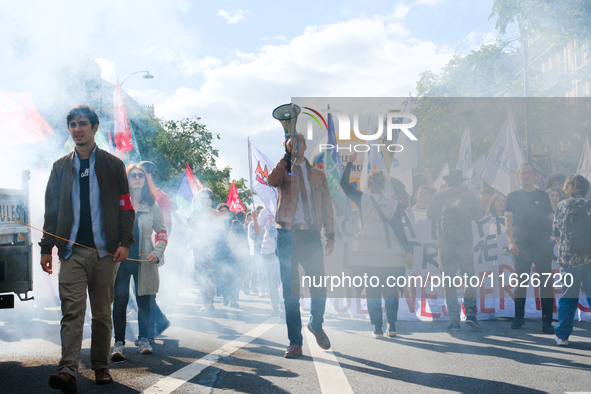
<point>83,271</point>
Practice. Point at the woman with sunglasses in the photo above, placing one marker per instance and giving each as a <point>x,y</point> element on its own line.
<point>148,219</point>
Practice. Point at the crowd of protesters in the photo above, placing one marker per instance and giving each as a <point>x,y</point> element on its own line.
<point>118,224</point>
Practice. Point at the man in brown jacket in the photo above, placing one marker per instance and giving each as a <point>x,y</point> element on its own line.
<point>87,202</point>
<point>304,207</point>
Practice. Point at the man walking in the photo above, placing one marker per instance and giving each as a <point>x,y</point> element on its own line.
<point>304,207</point>
<point>454,208</point>
<point>528,219</point>
<point>87,202</point>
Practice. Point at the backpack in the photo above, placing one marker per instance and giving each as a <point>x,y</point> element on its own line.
<point>577,237</point>
<point>454,221</point>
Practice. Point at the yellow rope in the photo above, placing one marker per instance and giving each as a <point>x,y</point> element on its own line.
<point>63,239</point>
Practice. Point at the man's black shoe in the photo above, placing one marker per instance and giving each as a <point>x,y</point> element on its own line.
<point>517,324</point>
<point>548,329</point>
<point>473,323</point>
<point>454,326</point>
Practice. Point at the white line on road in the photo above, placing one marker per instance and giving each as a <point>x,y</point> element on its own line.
<point>170,383</point>
<point>330,374</point>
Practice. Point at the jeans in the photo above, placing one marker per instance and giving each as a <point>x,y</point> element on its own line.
<point>540,256</point>
<point>567,305</point>
<point>127,269</point>
<point>390,294</point>
<point>295,248</point>
<point>272,272</point>
<point>454,257</point>
<point>158,319</point>
<point>81,272</point>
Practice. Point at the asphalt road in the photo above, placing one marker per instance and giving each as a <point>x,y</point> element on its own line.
<point>212,354</point>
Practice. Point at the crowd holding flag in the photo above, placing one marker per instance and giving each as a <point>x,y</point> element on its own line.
<point>500,169</point>
<point>186,194</point>
<point>465,156</point>
<point>234,202</point>
<point>260,166</point>
<point>404,162</point>
<point>125,142</point>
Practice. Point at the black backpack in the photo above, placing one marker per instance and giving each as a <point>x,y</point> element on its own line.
<point>577,237</point>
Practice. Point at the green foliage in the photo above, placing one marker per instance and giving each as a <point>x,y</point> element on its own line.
<point>171,144</point>
<point>560,20</point>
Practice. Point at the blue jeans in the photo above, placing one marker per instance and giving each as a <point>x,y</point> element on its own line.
<point>567,305</point>
<point>304,248</point>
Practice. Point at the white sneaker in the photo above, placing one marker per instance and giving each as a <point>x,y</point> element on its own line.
<point>561,342</point>
<point>118,353</point>
<point>145,347</point>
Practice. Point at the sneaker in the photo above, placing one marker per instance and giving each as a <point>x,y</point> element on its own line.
<point>391,330</point>
<point>208,309</point>
<point>473,323</point>
<point>275,312</point>
<point>145,347</point>
<point>548,329</point>
<point>454,326</point>
<point>561,342</point>
<point>293,351</point>
<point>234,304</point>
<point>517,323</point>
<point>118,352</point>
<point>377,333</point>
<point>137,341</point>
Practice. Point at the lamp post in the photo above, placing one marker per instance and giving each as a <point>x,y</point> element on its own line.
<point>147,76</point>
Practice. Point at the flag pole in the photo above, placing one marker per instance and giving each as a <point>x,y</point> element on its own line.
<point>250,173</point>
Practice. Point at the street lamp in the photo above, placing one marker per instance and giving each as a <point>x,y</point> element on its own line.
<point>147,76</point>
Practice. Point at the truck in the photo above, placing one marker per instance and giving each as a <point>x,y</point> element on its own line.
<point>16,260</point>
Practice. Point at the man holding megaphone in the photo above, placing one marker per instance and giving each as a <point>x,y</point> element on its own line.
<point>304,207</point>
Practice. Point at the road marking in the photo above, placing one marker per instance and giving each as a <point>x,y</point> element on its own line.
<point>331,377</point>
<point>170,383</point>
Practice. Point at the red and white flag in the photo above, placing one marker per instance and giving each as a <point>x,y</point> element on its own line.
<point>19,120</point>
<point>122,129</point>
<point>234,201</point>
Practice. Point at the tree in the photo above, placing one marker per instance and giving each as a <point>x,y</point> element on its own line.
<point>175,143</point>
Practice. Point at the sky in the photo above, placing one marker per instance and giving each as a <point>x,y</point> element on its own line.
<point>232,62</point>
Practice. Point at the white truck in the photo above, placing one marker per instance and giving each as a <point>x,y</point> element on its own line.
<point>16,269</point>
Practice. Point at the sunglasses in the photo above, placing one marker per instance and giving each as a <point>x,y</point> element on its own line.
<point>137,175</point>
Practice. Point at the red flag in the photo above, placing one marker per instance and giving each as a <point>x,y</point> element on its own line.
<point>195,184</point>
<point>234,200</point>
<point>19,120</point>
<point>122,129</point>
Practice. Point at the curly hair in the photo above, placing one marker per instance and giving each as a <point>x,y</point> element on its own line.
<point>376,180</point>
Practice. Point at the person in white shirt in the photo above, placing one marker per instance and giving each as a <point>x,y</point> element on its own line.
<point>265,222</point>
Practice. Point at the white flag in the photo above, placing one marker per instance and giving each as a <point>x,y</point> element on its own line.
<point>403,163</point>
<point>500,169</point>
<point>465,156</point>
<point>260,166</point>
<point>585,162</point>
<point>439,181</point>
<point>375,158</point>
<point>474,181</point>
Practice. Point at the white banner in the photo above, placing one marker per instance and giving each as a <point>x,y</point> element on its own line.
<point>493,266</point>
